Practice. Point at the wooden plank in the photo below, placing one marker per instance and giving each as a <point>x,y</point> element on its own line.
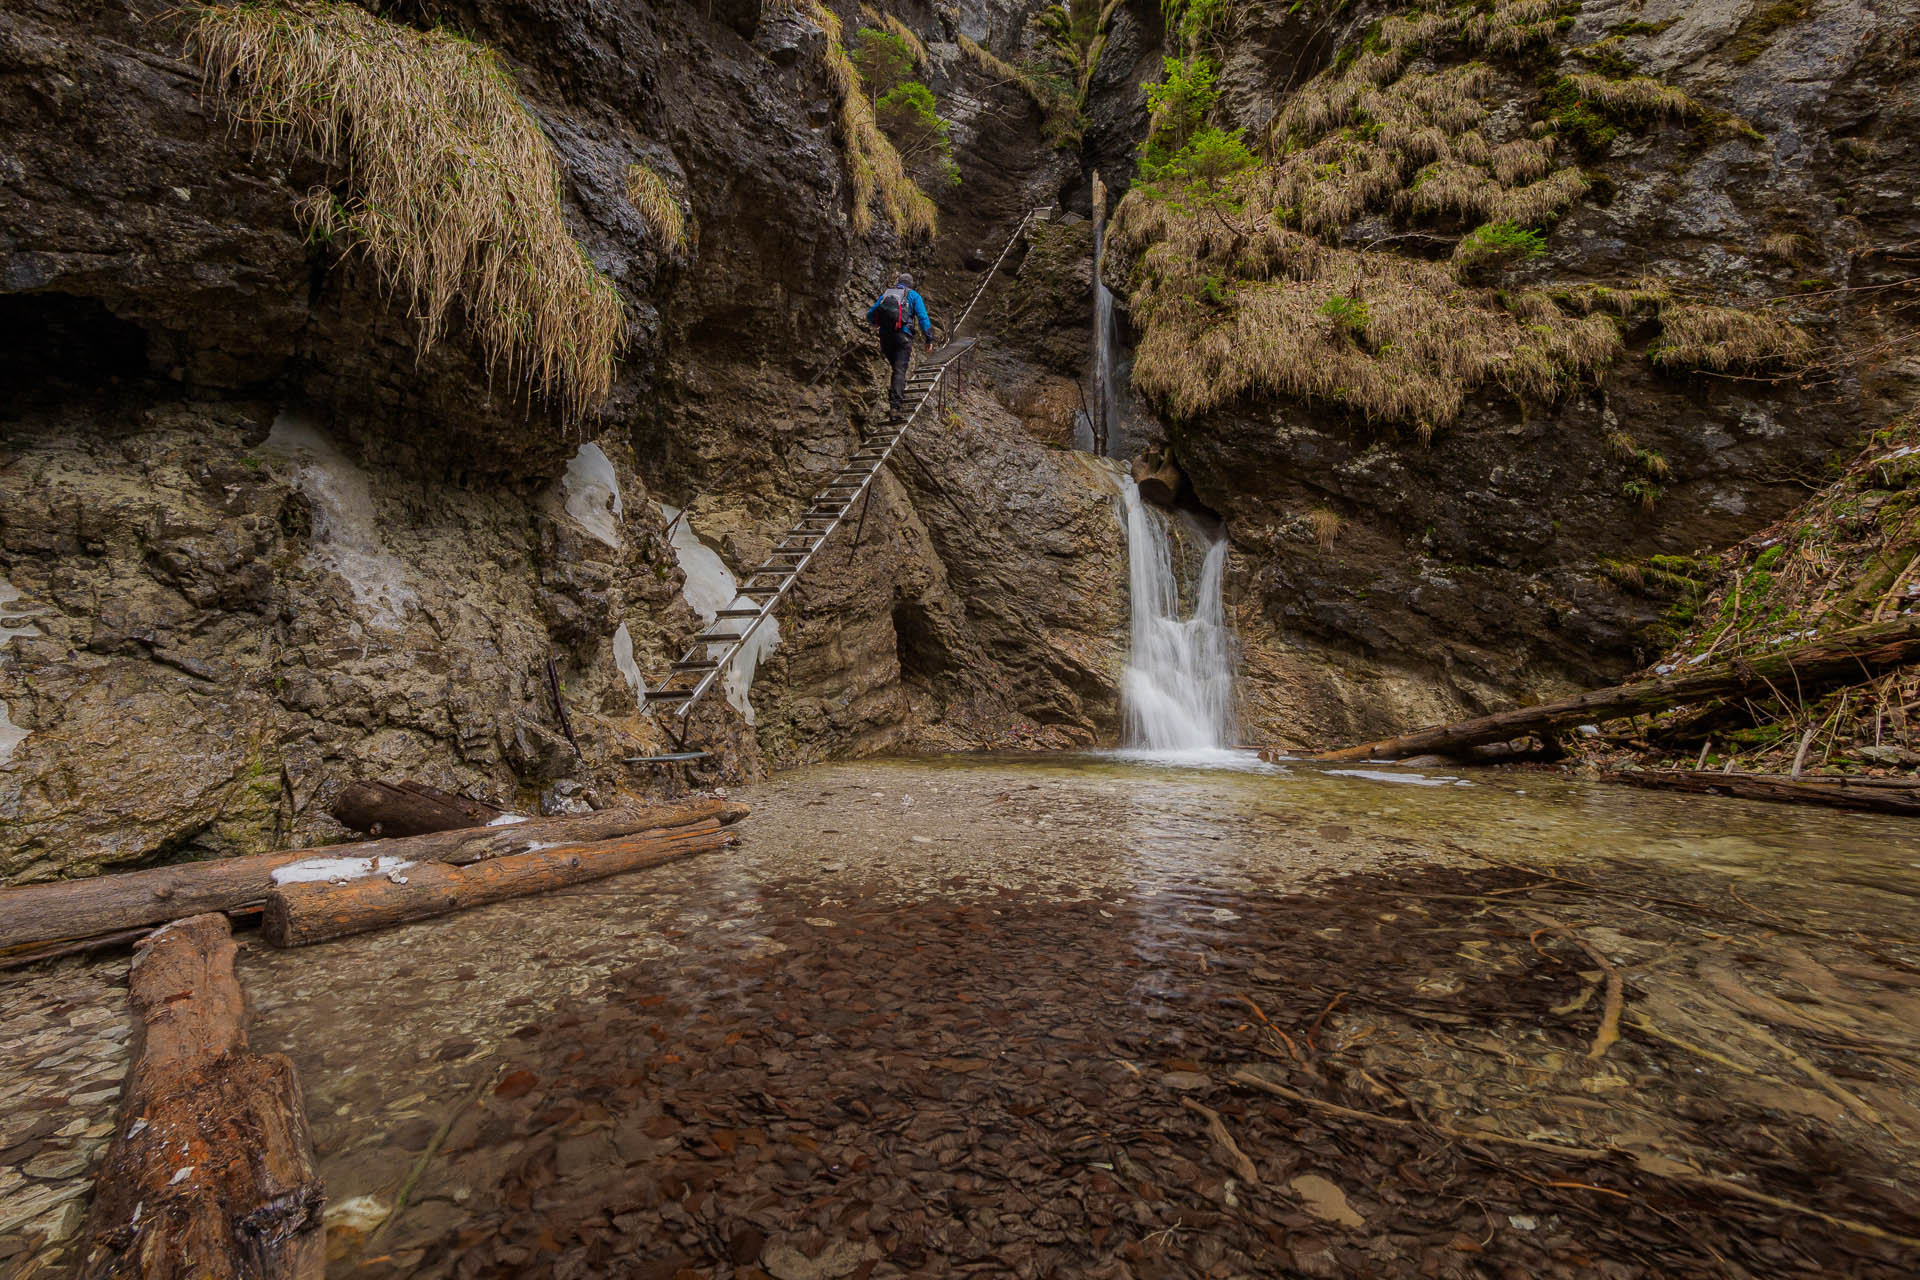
<point>211,1174</point>
<point>1842,658</point>
<point>298,914</point>
<point>71,909</point>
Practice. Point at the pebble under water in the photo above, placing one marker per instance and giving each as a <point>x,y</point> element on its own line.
<point>1101,1016</point>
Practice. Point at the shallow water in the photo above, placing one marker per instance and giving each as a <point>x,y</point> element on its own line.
<point>1120,897</point>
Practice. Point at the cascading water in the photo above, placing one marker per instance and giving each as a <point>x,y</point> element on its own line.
<point>1107,430</point>
<point>1178,688</point>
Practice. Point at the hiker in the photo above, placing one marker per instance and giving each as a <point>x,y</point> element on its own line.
<point>896,314</point>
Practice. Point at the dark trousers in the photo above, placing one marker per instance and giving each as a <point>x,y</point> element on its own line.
<point>898,349</point>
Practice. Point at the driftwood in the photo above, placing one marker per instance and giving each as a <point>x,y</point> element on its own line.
<point>74,909</point>
<point>1875,795</point>
<point>298,914</point>
<point>1158,477</point>
<point>211,1175</point>
<point>1841,658</point>
<point>406,809</point>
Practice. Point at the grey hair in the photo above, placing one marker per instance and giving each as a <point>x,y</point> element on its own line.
<point>905,279</point>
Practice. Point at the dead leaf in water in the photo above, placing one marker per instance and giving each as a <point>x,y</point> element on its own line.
<point>518,1084</point>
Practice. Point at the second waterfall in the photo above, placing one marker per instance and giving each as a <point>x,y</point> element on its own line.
<point>1178,688</point>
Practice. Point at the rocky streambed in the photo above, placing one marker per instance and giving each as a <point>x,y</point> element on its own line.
<point>1102,1016</point>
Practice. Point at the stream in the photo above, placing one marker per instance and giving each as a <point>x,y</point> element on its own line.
<point>985,1012</point>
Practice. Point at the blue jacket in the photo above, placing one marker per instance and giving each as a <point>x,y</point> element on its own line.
<point>916,313</point>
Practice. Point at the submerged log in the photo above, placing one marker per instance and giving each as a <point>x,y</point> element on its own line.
<point>298,914</point>
<point>73,909</point>
<point>211,1175</point>
<point>1841,658</point>
<point>1874,795</point>
<point>406,809</point>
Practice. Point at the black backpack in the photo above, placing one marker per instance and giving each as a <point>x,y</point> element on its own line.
<point>892,312</point>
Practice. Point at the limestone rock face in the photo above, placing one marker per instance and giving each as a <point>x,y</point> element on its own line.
<point>263,545</point>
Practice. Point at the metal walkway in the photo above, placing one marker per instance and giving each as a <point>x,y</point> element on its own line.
<point>714,649</point>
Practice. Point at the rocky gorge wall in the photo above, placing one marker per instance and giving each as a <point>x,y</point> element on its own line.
<point>1383,579</point>
<point>260,541</point>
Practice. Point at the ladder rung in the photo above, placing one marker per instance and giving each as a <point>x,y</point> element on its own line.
<point>738,613</point>
<point>697,666</point>
<point>669,695</point>
<point>718,637</point>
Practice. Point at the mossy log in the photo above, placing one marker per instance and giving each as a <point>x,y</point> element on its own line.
<point>1873,795</point>
<point>298,914</point>
<point>1844,657</point>
<point>73,909</point>
<point>211,1175</point>
<point>388,809</point>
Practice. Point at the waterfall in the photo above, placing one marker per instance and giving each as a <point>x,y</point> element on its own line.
<point>1178,688</point>
<point>1109,411</point>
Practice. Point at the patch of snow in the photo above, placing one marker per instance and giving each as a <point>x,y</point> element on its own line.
<point>336,870</point>
<point>346,530</point>
<point>535,846</point>
<point>592,490</point>
<point>628,668</point>
<point>181,1175</point>
<point>508,819</point>
<point>711,588</point>
<point>11,734</point>
<point>1410,779</point>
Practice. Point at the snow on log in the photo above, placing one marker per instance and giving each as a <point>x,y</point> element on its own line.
<point>406,809</point>
<point>316,911</point>
<point>1843,657</point>
<point>211,1174</point>
<point>70,909</point>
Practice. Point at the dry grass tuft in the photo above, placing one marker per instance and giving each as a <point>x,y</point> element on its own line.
<point>1785,247</point>
<point>1061,114</point>
<point>874,168</point>
<point>1428,342</point>
<point>1635,95</point>
<point>648,192</point>
<point>915,45</point>
<point>1695,335</point>
<point>1326,525</point>
<point>456,191</point>
<point>1253,303</point>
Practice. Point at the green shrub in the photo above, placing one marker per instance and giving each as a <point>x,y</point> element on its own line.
<point>1177,106</point>
<point>1498,244</point>
<point>1197,174</point>
<point>1644,492</point>
<point>906,114</point>
<point>1349,315</point>
<point>884,59</point>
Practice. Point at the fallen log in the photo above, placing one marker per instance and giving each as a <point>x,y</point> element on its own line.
<point>406,809</point>
<point>1841,658</point>
<point>69,910</point>
<point>211,1174</point>
<point>298,914</point>
<point>1873,795</point>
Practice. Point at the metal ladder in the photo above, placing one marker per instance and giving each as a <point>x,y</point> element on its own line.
<point>714,649</point>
